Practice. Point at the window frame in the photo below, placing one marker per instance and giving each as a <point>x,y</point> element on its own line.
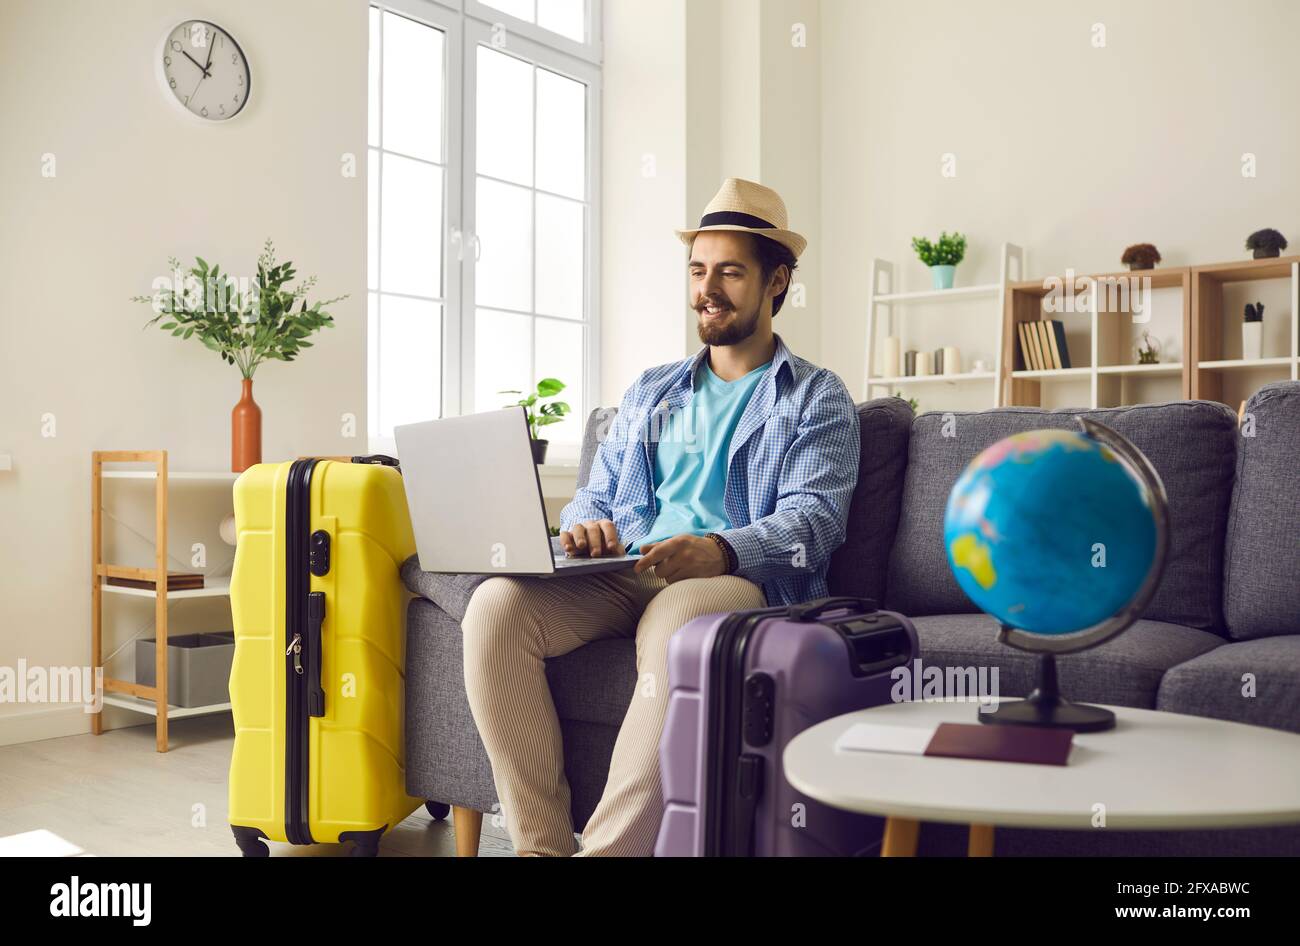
<point>441,17</point>
<point>544,58</point>
<point>466,23</point>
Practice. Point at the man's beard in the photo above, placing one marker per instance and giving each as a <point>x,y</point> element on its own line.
<point>735,331</point>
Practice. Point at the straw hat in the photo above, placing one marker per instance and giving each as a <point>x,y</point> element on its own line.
<point>747,207</point>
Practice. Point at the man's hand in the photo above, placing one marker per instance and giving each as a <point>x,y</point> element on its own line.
<point>683,556</point>
<point>594,539</point>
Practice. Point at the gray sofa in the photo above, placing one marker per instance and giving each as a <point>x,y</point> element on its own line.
<point>1228,605</point>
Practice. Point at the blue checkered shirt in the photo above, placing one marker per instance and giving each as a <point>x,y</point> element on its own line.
<point>791,468</point>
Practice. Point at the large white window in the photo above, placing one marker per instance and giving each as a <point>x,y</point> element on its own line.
<point>483,183</point>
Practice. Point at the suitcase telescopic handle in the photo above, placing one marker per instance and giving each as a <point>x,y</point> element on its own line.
<point>379,459</point>
<point>812,610</point>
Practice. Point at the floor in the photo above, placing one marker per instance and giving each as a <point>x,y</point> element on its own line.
<point>115,795</point>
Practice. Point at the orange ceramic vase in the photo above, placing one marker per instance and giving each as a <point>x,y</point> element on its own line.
<point>245,431</point>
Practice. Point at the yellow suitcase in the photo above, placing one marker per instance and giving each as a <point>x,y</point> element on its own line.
<point>317,682</point>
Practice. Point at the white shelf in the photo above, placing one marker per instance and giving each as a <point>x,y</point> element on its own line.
<point>213,588</point>
<point>1175,367</point>
<point>1248,363</point>
<point>138,705</point>
<point>930,378</point>
<point>940,295</point>
<point>153,475</point>
<point>1048,374</point>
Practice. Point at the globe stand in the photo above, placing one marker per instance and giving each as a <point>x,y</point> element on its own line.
<point>1045,707</point>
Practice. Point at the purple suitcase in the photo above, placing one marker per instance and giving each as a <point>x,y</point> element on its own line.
<point>741,686</point>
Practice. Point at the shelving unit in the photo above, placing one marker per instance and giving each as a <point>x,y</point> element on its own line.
<point>1098,313</point>
<point>1215,376</point>
<point>883,293</point>
<point>128,694</point>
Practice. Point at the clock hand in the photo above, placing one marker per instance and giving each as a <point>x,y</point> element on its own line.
<point>211,46</point>
<point>196,62</point>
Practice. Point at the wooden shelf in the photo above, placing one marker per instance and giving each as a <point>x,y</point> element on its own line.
<point>1053,373</point>
<point>930,378</point>
<point>125,693</point>
<point>940,295</point>
<point>1276,268</point>
<point>1246,363</point>
<point>153,475</point>
<point>1173,367</point>
<point>137,705</point>
<point>218,588</point>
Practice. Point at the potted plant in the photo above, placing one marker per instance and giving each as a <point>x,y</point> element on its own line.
<point>942,256</point>
<point>1148,352</point>
<point>1266,243</point>
<point>244,322</point>
<point>551,413</point>
<point>1141,256</point>
<point>1252,332</point>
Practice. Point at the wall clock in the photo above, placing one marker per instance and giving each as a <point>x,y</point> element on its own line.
<point>204,70</point>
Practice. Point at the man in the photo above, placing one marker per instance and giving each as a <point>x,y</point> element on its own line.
<point>731,472</point>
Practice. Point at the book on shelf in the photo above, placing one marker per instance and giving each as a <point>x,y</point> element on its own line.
<point>1044,341</point>
<point>1042,345</point>
<point>1022,347</point>
<point>1056,337</point>
<point>176,581</point>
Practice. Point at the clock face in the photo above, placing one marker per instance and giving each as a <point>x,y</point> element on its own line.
<point>206,70</point>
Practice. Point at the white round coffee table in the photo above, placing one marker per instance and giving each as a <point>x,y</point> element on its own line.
<point>1153,771</point>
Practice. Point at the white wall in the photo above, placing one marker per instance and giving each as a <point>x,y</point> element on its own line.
<point>1069,150</point>
<point>643,180</point>
<point>709,89</point>
<point>136,182</point>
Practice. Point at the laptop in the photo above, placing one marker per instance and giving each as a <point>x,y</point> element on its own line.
<point>476,500</point>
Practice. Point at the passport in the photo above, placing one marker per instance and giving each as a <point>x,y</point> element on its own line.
<point>1001,743</point>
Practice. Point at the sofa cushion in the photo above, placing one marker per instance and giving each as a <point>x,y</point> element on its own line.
<point>1124,671</point>
<point>1192,445</point>
<point>1215,684</point>
<point>1261,581</point>
<point>450,592</point>
<point>858,566</point>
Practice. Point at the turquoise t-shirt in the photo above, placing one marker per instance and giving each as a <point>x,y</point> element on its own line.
<point>691,457</point>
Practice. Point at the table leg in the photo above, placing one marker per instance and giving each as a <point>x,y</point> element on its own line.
<point>900,837</point>
<point>981,841</point>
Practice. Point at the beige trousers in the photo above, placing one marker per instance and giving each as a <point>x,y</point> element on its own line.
<point>511,626</point>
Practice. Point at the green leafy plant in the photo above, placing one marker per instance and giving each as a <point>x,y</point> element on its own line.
<point>545,414</point>
<point>911,401</point>
<point>245,323</point>
<point>948,251</point>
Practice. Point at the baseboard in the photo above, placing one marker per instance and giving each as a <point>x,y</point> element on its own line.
<point>50,722</point>
<point>55,722</point>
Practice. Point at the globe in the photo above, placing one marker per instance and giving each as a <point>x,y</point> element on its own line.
<point>1051,532</point>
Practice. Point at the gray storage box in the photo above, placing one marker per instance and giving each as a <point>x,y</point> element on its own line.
<point>198,667</point>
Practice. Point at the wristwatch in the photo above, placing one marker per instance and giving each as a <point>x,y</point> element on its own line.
<point>728,552</point>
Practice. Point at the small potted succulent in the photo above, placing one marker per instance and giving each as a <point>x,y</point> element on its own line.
<point>1141,256</point>
<point>1148,352</point>
<point>550,413</point>
<point>1266,243</point>
<point>1252,332</point>
<point>941,256</point>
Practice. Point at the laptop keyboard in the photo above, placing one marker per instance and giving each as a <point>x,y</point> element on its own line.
<point>562,560</point>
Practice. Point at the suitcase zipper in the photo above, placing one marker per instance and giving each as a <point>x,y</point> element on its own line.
<point>298,606</point>
<point>734,779</point>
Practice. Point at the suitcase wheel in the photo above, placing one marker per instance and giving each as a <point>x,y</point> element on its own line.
<point>364,843</point>
<point>437,809</point>
<point>250,841</point>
